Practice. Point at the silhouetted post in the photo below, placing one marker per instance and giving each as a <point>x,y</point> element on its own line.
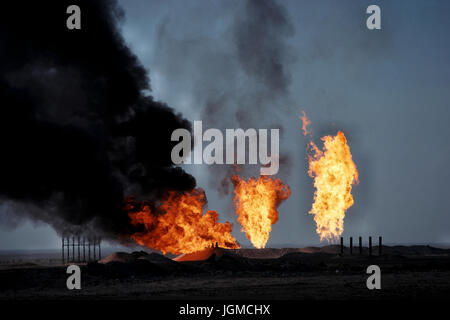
<point>351,245</point>
<point>99,249</point>
<point>342,246</point>
<point>379,245</point>
<point>68,249</point>
<point>62,250</point>
<point>360,245</point>
<point>370,246</point>
<point>78,246</point>
<point>84,249</point>
<point>89,249</point>
<point>94,249</point>
<point>73,249</point>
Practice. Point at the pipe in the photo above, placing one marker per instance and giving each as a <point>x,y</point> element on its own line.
<point>380,245</point>
<point>360,245</point>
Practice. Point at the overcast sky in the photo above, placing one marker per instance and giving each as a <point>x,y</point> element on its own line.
<point>387,89</point>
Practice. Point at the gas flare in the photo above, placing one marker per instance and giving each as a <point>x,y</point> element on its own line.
<point>256,202</point>
<point>178,224</point>
<point>334,172</point>
<point>305,123</point>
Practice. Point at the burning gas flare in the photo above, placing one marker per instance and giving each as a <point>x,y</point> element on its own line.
<point>305,123</point>
<point>178,224</point>
<point>256,202</point>
<point>334,172</point>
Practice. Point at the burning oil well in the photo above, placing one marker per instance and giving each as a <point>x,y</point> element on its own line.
<point>256,202</point>
<point>77,125</point>
<point>98,155</point>
<point>334,173</point>
<point>179,224</point>
<point>91,147</point>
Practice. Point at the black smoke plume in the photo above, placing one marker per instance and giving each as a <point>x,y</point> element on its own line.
<point>78,130</point>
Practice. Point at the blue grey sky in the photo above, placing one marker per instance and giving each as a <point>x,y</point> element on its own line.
<point>388,90</point>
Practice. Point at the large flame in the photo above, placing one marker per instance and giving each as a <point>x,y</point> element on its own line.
<point>334,172</point>
<point>178,224</point>
<point>256,202</point>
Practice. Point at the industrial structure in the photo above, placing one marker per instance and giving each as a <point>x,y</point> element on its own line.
<point>76,249</point>
<point>380,246</point>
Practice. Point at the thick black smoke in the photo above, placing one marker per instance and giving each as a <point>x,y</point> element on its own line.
<point>77,131</point>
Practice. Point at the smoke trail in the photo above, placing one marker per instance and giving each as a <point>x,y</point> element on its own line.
<point>260,35</point>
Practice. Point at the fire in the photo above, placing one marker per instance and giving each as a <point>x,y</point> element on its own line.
<point>256,202</point>
<point>305,123</point>
<point>178,224</point>
<point>334,172</point>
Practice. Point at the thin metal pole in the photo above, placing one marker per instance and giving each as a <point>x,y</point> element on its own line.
<point>360,245</point>
<point>84,249</point>
<point>99,248</point>
<point>73,249</point>
<point>68,249</point>
<point>94,248</point>
<point>78,248</point>
<point>351,245</point>
<point>62,250</point>
<point>380,245</point>
<point>89,248</point>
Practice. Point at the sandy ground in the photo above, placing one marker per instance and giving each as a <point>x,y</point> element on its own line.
<point>298,275</point>
<point>414,285</point>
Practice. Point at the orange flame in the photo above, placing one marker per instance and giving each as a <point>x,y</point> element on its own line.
<point>256,203</point>
<point>178,224</point>
<point>305,123</point>
<point>334,172</point>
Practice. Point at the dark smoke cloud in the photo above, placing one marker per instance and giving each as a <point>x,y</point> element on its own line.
<point>233,74</point>
<point>260,35</point>
<point>238,76</point>
<point>77,132</point>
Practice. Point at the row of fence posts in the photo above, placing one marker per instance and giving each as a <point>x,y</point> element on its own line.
<point>380,245</point>
<point>90,243</point>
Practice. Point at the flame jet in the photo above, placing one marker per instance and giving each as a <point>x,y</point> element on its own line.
<point>334,173</point>
<point>256,202</point>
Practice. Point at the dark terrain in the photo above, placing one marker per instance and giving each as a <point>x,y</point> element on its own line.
<point>413,272</point>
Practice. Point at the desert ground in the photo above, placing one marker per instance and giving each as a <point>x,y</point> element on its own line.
<point>314,273</point>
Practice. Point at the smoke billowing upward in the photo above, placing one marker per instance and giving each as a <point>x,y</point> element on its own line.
<point>237,72</point>
<point>259,35</point>
<point>77,131</point>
